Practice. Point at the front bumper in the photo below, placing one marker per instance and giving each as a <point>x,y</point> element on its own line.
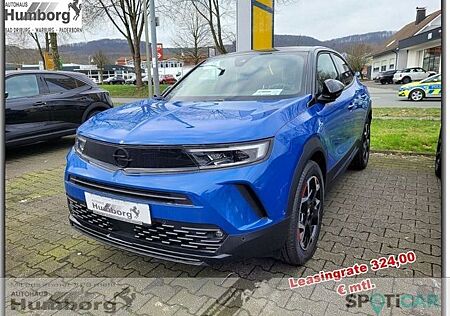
<point>403,94</point>
<point>174,241</point>
<point>247,204</point>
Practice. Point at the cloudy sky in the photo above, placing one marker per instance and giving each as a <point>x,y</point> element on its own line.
<point>322,19</point>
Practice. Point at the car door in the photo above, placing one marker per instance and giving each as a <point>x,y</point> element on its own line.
<point>66,100</point>
<point>433,87</point>
<point>360,103</point>
<point>26,114</point>
<point>419,74</point>
<point>335,118</point>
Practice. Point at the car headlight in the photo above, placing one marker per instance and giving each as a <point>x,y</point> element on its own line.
<point>80,143</point>
<point>229,155</point>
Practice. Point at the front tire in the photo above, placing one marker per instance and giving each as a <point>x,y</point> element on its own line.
<point>416,95</point>
<point>361,159</point>
<point>305,216</point>
<point>406,80</point>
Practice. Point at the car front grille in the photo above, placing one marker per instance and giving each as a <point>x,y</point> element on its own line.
<point>206,239</point>
<point>138,157</point>
<point>149,195</point>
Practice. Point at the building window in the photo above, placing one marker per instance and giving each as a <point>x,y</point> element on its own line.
<point>432,59</point>
<point>383,68</point>
<point>376,69</point>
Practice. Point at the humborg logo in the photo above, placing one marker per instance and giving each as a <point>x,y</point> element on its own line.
<point>60,14</point>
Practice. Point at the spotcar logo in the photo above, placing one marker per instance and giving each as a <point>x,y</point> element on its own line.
<point>56,16</point>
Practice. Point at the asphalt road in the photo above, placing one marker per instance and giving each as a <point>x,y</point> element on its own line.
<point>383,96</point>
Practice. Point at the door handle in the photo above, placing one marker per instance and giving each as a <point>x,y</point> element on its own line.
<point>39,103</point>
<point>352,106</point>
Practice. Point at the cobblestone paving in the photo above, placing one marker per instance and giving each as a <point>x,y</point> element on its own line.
<point>392,206</point>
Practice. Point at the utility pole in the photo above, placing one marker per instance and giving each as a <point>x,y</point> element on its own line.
<point>147,51</point>
<point>154,44</point>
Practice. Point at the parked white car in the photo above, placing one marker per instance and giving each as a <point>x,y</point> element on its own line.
<point>412,74</point>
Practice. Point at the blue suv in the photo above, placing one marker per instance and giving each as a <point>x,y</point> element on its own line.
<point>232,161</point>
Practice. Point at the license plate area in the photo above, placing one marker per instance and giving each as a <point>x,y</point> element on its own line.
<point>131,212</point>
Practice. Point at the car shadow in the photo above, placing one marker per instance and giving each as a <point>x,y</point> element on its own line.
<point>46,147</point>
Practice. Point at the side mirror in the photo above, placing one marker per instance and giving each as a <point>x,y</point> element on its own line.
<point>6,95</point>
<point>358,75</point>
<point>332,89</point>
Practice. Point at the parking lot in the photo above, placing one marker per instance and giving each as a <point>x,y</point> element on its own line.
<point>392,206</point>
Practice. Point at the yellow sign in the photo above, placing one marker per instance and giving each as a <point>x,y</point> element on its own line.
<point>49,64</point>
<point>262,24</point>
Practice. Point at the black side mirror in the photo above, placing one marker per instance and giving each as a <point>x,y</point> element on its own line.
<point>6,95</point>
<point>332,89</point>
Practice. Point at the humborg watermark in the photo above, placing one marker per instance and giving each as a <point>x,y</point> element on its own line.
<point>76,301</point>
<point>57,16</point>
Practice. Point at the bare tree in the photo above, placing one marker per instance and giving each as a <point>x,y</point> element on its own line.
<point>358,55</point>
<point>41,50</point>
<point>212,11</point>
<point>53,39</point>
<point>127,16</point>
<point>192,35</point>
<point>101,60</point>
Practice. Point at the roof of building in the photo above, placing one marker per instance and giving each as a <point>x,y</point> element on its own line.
<point>407,31</point>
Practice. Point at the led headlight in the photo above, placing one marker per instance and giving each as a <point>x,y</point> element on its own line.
<point>229,155</point>
<point>80,143</point>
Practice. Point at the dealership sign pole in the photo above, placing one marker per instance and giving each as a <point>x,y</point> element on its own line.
<point>147,50</point>
<point>154,44</point>
<point>255,25</point>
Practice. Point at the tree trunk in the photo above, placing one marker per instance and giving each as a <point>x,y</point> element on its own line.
<point>55,52</point>
<point>137,63</point>
<point>41,53</point>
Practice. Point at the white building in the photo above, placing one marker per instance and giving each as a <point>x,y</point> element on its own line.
<point>417,44</point>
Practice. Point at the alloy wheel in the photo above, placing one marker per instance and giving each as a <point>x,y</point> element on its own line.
<point>310,210</point>
<point>366,142</point>
<point>416,95</point>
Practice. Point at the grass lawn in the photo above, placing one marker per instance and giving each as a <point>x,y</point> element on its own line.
<point>128,90</point>
<point>407,112</point>
<point>405,135</point>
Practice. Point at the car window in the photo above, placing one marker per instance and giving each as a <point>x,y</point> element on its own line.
<point>22,86</point>
<point>344,71</point>
<point>60,83</point>
<point>325,70</point>
<point>406,70</point>
<point>247,76</point>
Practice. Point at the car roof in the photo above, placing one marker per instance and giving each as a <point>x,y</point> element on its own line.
<point>59,72</point>
<point>304,49</point>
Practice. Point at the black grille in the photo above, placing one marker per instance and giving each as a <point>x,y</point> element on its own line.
<point>204,238</point>
<point>80,211</point>
<point>148,157</point>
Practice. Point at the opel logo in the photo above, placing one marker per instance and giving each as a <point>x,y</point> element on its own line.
<point>121,157</point>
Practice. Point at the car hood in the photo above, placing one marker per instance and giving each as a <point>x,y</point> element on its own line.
<point>410,85</point>
<point>181,122</point>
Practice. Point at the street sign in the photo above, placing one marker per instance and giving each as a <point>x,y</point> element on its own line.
<point>255,24</point>
<point>159,51</point>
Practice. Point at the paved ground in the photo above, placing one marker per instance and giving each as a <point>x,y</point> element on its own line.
<point>392,206</point>
<point>382,96</point>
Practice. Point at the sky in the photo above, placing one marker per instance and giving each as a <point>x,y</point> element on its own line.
<point>321,19</point>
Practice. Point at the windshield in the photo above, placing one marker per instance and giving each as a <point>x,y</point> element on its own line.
<point>435,78</point>
<point>249,76</point>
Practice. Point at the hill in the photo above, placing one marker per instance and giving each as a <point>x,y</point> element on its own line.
<point>115,48</point>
